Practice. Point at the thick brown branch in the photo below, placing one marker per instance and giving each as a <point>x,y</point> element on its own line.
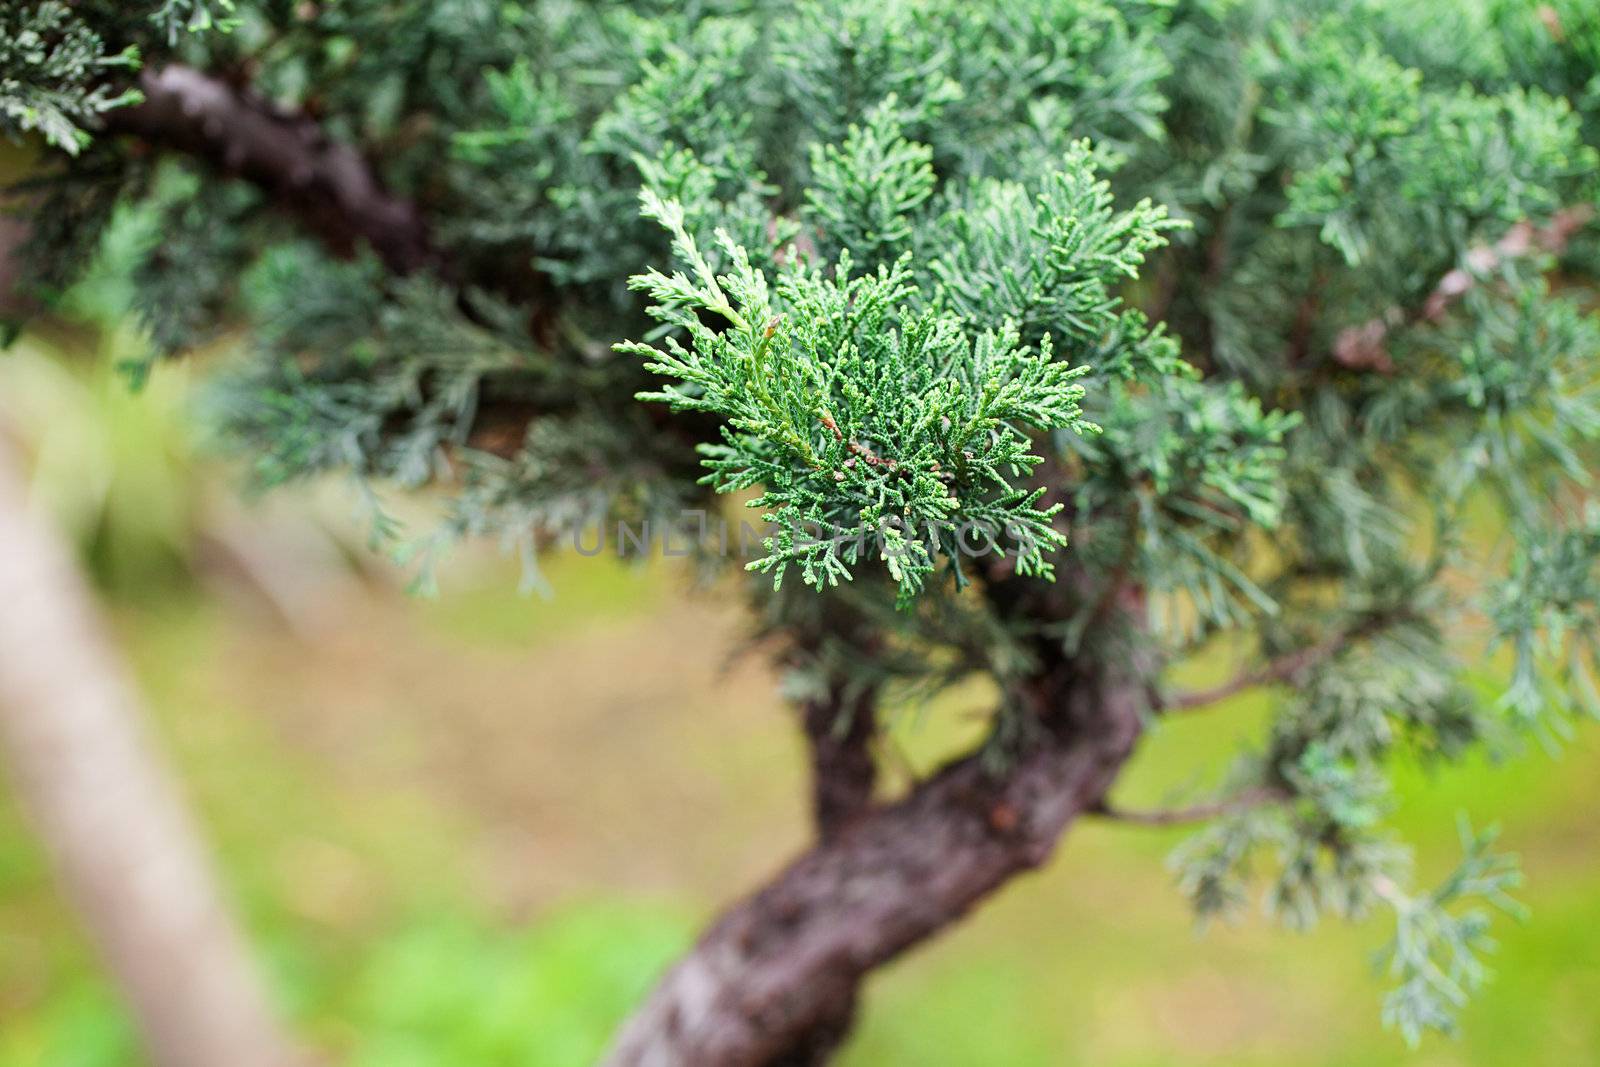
<point>327,185</point>
<point>1243,801</point>
<point>794,954</point>
<point>839,729</point>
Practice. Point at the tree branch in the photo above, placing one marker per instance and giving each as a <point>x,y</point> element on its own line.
<point>1364,347</point>
<point>1286,668</point>
<point>106,806</point>
<point>794,954</point>
<point>1247,800</point>
<point>839,728</point>
<point>327,185</point>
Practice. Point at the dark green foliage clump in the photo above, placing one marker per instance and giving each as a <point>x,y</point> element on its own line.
<point>1253,314</point>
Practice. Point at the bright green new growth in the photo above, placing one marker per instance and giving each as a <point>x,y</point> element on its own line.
<point>886,411</point>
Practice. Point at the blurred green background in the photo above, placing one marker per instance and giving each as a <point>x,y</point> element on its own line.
<point>470,830</point>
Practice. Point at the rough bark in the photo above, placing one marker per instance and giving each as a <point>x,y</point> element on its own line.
<point>108,811</point>
<point>839,728</point>
<point>791,957</point>
<point>328,186</point>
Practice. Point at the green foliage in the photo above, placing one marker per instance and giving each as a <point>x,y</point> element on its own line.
<point>865,193</point>
<point>63,65</point>
<point>357,380</point>
<point>1047,257</point>
<point>861,405</point>
<point>50,61</point>
<point>173,17</point>
<point>892,293</point>
<point>1440,937</point>
<point>1548,611</point>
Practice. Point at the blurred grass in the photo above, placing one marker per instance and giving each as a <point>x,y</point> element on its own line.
<point>469,831</point>
<point>394,854</point>
<point>113,468</point>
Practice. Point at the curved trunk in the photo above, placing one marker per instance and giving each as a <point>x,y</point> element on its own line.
<point>839,729</point>
<point>774,979</point>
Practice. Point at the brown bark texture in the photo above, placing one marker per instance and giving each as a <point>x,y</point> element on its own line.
<point>779,972</point>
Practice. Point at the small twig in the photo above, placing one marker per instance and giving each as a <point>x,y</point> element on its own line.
<point>1363,347</point>
<point>1285,668</point>
<point>1245,801</point>
<point>872,458</point>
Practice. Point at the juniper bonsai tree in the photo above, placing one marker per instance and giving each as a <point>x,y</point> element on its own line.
<point>1055,341</point>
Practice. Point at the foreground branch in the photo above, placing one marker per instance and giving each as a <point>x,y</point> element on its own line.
<point>755,988</point>
<point>327,185</point>
<point>124,845</point>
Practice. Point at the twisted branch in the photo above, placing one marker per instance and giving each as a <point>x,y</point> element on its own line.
<point>796,952</point>
<point>327,185</point>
